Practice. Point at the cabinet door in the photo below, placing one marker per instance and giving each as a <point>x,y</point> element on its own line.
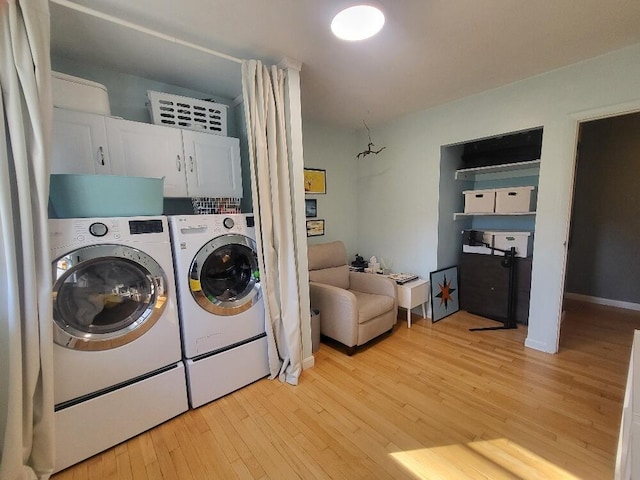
<point>213,165</point>
<point>484,284</point>
<point>79,143</point>
<point>145,150</point>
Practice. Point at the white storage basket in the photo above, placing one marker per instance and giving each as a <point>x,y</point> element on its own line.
<point>487,238</point>
<point>515,199</point>
<point>479,201</point>
<point>522,241</point>
<point>190,113</point>
<point>76,93</point>
<point>215,205</point>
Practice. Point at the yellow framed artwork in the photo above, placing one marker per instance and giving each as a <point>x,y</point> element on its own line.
<point>315,180</point>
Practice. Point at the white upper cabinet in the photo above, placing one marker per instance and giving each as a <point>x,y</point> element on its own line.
<point>193,164</point>
<point>212,164</point>
<point>79,143</point>
<point>145,150</point>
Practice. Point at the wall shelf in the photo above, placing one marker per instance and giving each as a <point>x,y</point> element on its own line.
<point>458,216</point>
<point>506,170</point>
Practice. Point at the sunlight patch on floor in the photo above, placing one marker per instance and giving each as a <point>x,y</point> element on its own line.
<point>495,459</point>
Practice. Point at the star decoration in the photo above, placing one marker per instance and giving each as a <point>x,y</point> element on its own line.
<point>445,292</point>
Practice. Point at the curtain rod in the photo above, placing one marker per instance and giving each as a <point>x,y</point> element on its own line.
<point>139,28</point>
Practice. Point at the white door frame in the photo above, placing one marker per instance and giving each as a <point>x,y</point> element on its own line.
<point>578,118</point>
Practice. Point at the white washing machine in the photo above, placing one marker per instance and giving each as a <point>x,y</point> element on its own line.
<point>220,303</point>
<point>117,353</point>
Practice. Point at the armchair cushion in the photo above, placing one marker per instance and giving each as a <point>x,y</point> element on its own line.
<point>336,276</point>
<point>371,283</point>
<point>328,264</point>
<point>371,305</point>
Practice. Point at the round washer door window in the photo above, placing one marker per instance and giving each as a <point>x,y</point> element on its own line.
<point>105,296</point>
<point>224,277</point>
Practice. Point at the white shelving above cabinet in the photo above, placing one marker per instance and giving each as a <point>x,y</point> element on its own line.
<point>495,172</point>
<point>458,216</point>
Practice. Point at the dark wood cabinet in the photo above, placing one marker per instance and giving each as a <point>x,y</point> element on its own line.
<point>484,286</point>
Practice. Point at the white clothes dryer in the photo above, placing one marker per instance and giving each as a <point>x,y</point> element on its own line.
<point>116,332</point>
<point>220,303</point>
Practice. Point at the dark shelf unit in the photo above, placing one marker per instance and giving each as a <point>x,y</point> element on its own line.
<point>484,286</point>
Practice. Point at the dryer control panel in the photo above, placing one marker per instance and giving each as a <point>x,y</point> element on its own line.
<point>199,229</point>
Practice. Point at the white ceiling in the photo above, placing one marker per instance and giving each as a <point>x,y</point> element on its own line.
<point>430,51</point>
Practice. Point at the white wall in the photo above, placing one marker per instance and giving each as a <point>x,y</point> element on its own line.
<point>334,150</point>
<point>398,189</point>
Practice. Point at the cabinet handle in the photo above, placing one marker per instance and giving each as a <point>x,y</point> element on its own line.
<point>191,162</point>
<point>101,155</point>
<point>178,163</point>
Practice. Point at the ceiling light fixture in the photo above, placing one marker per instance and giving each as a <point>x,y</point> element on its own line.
<point>357,23</point>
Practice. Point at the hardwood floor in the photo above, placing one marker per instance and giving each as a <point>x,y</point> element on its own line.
<point>435,401</point>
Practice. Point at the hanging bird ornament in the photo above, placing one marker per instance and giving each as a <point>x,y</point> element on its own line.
<point>369,146</point>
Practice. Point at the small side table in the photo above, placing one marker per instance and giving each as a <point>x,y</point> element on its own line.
<point>412,294</point>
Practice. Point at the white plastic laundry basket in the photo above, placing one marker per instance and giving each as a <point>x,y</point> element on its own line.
<point>190,113</point>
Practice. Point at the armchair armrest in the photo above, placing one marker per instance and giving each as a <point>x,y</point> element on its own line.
<point>372,283</point>
<point>338,312</point>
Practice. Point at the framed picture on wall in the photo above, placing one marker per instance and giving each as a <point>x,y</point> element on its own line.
<point>315,181</point>
<point>444,293</point>
<point>315,228</point>
<point>311,207</point>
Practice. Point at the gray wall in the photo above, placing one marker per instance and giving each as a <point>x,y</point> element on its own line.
<point>241,129</point>
<point>451,200</point>
<point>605,230</point>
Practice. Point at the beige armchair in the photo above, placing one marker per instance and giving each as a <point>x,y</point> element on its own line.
<point>354,307</point>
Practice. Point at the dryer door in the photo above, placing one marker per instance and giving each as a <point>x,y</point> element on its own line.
<point>224,276</point>
<point>105,296</point>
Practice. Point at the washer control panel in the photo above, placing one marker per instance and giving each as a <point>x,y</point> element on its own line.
<point>78,231</point>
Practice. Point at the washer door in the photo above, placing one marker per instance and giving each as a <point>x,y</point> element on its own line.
<point>105,296</point>
<point>224,277</point>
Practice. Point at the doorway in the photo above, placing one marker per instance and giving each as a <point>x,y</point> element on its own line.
<point>603,265</point>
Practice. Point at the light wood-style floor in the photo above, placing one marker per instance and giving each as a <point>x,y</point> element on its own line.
<point>435,401</point>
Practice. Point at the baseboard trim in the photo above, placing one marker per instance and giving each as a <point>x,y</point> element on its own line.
<point>537,345</point>
<point>308,362</point>
<point>603,301</point>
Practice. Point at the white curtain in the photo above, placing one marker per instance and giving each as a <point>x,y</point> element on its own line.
<point>26,348</point>
<point>264,104</point>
